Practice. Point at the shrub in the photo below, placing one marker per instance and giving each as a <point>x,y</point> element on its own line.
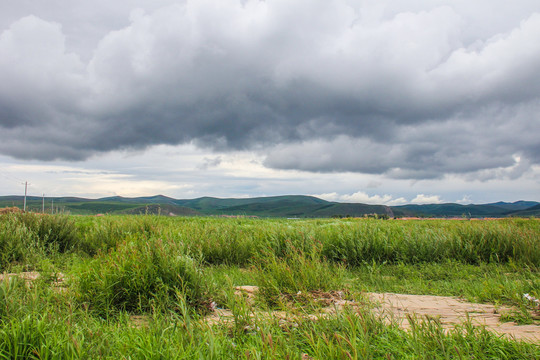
<point>138,276</point>
<point>17,242</point>
<point>53,232</point>
<point>297,272</point>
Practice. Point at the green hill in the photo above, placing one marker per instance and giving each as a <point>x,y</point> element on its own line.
<point>515,206</point>
<point>532,211</point>
<point>272,206</point>
<point>282,206</point>
<point>500,209</point>
<point>161,209</point>
<point>157,199</point>
<point>211,205</point>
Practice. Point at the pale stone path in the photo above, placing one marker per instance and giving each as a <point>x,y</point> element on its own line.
<point>451,311</point>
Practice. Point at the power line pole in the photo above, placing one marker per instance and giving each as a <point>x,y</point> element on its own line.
<point>43,204</point>
<point>25,190</point>
<point>52,206</point>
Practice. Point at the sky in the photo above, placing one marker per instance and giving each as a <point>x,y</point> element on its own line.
<point>380,102</point>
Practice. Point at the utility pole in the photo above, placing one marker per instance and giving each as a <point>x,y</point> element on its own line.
<point>25,190</point>
<point>43,204</point>
<point>52,206</point>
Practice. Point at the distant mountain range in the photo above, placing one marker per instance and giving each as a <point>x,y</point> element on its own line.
<point>273,206</point>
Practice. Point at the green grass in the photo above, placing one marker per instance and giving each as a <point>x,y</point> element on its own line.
<point>54,329</point>
<point>297,273</point>
<point>139,277</point>
<point>139,287</point>
<point>26,238</point>
<point>493,283</point>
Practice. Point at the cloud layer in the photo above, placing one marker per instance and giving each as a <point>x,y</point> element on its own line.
<point>414,91</point>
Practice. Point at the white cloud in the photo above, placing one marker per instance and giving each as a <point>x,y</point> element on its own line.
<point>176,171</point>
<point>426,199</point>
<point>466,199</point>
<point>279,77</point>
<point>364,198</point>
<point>397,202</point>
<point>333,196</point>
<point>278,96</point>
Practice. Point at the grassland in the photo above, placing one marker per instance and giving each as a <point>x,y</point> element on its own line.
<point>143,287</point>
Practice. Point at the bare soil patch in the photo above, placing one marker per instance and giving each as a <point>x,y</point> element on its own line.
<point>31,276</point>
<point>9,210</point>
<point>450,311</point>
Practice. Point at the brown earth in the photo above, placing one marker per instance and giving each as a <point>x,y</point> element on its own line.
<point>9,210</point>
<point>27,276</point>
<point>30,276</point>
<point>450,311</point>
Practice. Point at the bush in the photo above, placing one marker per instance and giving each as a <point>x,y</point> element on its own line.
<point>103,233</point>
<point>18,244</point>
<point>469,242</point>
<point>139,276</point>
<point>297,272</point>
<point>52,232</point>
<point>24,238</point>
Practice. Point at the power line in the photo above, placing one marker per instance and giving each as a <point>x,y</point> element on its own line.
<point>6,174</point>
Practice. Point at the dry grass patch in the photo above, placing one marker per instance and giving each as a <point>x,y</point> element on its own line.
<point>10,210</point>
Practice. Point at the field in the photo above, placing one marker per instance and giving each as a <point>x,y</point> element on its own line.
<point>153,287</point>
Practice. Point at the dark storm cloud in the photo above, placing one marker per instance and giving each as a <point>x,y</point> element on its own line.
<point>315,85</point>
<point>492,140</point>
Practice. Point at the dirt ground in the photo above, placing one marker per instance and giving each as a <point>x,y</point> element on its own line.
<point>449,310</point>
<point>27,276</point>
<point>30,276</point>
<point>9,210</point>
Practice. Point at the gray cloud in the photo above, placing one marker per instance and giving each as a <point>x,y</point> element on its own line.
<point>485,146</point>
<point>417,90</point>
<point>210,163</point>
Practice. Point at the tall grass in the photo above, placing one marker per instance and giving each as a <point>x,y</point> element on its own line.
<point>470,242</point>
<point>157,268</point>
<point>104,233</point>
<point>18,243</point>
<point>297,273</point>
<point>43,324</point>
<point>141,276</point>
<point>26,237</point>
<point>352,242</point>
<point>240,241</point>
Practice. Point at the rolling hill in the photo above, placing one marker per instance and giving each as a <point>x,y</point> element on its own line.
<point>499,209</point>
<point>532,211</point>
<point>273,206</point>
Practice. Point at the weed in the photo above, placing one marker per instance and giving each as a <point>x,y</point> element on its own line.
<point>138,277</point>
